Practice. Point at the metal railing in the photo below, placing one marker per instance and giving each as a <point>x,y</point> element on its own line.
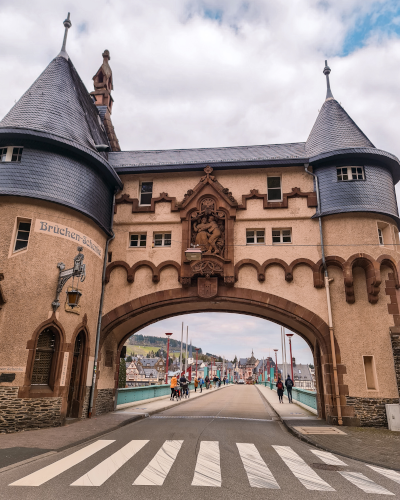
<point>134,394</point>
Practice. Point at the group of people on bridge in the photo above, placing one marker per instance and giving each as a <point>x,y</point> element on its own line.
<point>181,387</point>
<point>280,388</point>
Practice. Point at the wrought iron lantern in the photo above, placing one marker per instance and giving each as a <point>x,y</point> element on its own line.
<point>193,253</point>
<point>79,272</point>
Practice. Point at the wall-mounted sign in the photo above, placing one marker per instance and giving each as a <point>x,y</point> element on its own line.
<point>7,377</point>
<point>12,369</point>
<point>53,229</point>
<point>64,369</point>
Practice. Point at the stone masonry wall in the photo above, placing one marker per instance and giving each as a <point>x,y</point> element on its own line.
<point>104,401</point>
<point>371,411</point>
<point>18,414</point>
<point>85,407</point>
<point>396,357</point>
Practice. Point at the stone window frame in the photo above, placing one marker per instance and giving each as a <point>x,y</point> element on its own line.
<point>163,233</point>
<point>139,234</point>
<point>374,374</point>
<point>270,176</point>
<point>12,252</point>
<point>140,192</point>
<point>255,236</point>
<point>281,242</point>
<point>53,389</point>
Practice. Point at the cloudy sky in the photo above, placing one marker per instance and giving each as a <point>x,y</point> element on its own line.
<point>204,73</point>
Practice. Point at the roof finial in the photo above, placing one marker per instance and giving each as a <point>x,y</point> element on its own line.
<point>327,70</point>
<point>67,23</point>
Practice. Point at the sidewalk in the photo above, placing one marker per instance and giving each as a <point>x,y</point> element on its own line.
<point>374,446</point>
<point>24,446</point>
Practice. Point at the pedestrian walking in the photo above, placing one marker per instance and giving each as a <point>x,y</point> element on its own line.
<point>196,384</point>
<point>215,380</point>
<point>289,384</point>
<point>207,382</point>
<point>174,383</point>
<point>279,389</point>
<point>201,383</point>
<point>224,380</point>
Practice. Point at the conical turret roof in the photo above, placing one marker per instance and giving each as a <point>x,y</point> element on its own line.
<point>334,130</point>
<point>58,104</point>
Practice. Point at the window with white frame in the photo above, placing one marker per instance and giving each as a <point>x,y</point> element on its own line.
<point>162,239</point>
<point>274,191</point>
<point>22,236</point>
<point>11,153</point>
<point>255,236</point>
<point>137,240</point>
<point>281,236</point>
<point>380,235</point>
<point>146,193</point>
<point>350,173</point>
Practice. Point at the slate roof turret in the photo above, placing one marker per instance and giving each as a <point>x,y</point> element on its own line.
<point>334,129</point>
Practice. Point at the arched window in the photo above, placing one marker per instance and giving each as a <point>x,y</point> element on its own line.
<point>44,358</point>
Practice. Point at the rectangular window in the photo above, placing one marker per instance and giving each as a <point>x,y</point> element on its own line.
<point>281,236</point>
<point>146,193</point>
<point>274,189</point>
<point>369,370</point>
<point>162,239</point>
<point>22,237</point>
<point>109,256</point>
<point>138,240</point>
<point>11,153</point>
<point>255,237</point>
<point>350,173</point>
<point>380,236</point>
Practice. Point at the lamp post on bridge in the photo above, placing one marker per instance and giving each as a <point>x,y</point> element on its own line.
<point>166,365</point>
<point>290,335</point>
<point>197,355</point>
<point>276,364</point>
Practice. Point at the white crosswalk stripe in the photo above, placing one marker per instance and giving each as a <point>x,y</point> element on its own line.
<point>208,467</point>
<point>307,476</point>
<point>256,469</point>
<point>43,475</point>
<point>365,484</point>
<point>391,474</point>
<point>157,470</point>
<point>328,458</point>
<point>103,471</point>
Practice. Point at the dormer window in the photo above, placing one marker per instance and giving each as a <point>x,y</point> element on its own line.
<point>350,173</point>
<point>11,153</point>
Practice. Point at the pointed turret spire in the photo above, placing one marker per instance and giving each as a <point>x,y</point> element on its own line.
<point>327,71</point>
<point>67,24</point>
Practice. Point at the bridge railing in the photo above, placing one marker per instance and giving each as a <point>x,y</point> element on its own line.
<point>308,398</point>
<point>133,394</point>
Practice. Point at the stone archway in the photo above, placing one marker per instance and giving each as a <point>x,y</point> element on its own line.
<point>127,319</point>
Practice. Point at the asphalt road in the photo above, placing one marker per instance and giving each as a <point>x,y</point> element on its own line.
<point>228,445</point>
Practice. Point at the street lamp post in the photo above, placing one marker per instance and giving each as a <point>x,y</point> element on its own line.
<point>166,366</point>
<point>276,364</point>
<point>290,335</point>
<point>197,355</point>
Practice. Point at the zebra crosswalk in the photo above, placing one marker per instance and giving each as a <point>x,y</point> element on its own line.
<point>207,471</point>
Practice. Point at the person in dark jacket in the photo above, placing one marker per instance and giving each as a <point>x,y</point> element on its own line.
<point>280,389</point>
<point>207,382</point>
<point>289,384</point>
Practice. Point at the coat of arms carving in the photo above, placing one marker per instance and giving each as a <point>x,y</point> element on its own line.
<point>207,287</point>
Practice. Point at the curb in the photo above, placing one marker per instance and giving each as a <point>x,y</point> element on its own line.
<point>307,440</point>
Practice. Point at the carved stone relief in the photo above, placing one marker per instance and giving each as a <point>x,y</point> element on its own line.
<point>208,228</point>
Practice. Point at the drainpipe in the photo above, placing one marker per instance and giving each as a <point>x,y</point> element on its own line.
<point>103,286</point>
<point>328,300</point>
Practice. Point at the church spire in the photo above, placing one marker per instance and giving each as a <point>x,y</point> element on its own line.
<point>67,24</point>
<point>326,72</point>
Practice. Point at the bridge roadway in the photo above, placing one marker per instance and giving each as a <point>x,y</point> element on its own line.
<point>228,444</point>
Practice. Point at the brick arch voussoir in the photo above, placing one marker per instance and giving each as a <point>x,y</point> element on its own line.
<point>372,270</point>
<point>250,262</point>
<point>119,263</point>
<point>388,261</point>
<point>282,264</point>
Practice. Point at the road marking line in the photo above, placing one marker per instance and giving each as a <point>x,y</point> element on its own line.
<point>208,468</point>
<point>256,469</point>
<point>365,484</point>
<point>391,474</point>
<point>307,476</point>
<point>157,470</point>
<point>99,474</point>
<point>328,458</point>
<point>43,475</point>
